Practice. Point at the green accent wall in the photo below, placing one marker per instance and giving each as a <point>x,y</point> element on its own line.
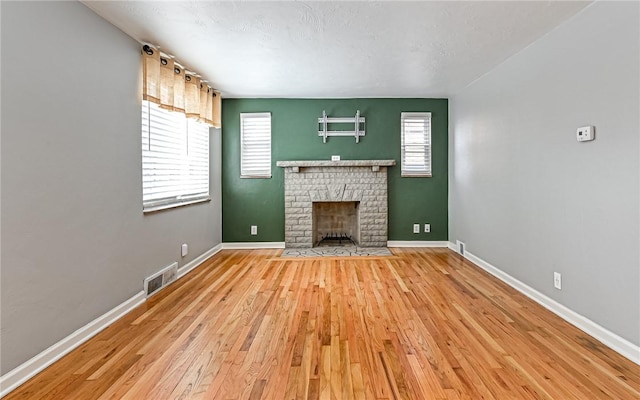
<point>294,130</point>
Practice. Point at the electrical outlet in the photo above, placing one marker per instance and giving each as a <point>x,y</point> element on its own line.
<point>335,158</point>
<point>427,228</point>
<point>254,229</point>
<point>184,250</point>
<point>416,228</point>
<point>557,280</point>
<point>585,134</point>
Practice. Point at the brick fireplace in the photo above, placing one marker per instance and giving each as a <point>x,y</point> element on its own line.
<point>310,185</point>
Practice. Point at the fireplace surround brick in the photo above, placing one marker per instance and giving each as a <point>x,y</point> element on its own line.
<point>364,181</point>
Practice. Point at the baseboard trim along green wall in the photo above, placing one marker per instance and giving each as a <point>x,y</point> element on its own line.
<point>417,243</point>
<point>252,245</point>
<point>294,136</point>
<point>280,245</point>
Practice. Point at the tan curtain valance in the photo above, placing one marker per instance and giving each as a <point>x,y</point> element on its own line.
<point>166,83</point>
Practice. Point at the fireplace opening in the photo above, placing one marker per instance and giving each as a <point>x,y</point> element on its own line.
<point>336,223</point>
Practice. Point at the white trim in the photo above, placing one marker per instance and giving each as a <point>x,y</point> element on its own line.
<point>612,340</point>
<point>452,246</point>
<point>185,269</point>
<point>30,368</point>
<point>253,245</point>
<point>416,243</point>
<point>152,209</point>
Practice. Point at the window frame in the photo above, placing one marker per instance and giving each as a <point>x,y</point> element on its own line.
<point>267,171</point>
<point>427,171</point>
<point>186,163</point>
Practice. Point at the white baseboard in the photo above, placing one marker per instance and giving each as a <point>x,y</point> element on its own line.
<point>280,245</point>
<point>185,269</point>
<point>615,342</point>
<point>30,368</point>
<point>253,245</point>
<point>452,246</point>
<point>416,243</point>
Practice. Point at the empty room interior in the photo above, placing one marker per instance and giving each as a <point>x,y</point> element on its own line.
<point>320,200</point>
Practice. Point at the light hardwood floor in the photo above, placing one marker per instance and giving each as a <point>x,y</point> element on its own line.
<point>423,324</point>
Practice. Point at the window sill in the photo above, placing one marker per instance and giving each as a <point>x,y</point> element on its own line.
<point>162,207</point>
<point>255,176</point>
<point>415,175</point>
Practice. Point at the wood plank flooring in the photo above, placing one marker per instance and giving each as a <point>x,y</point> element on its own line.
<point>422,324</point>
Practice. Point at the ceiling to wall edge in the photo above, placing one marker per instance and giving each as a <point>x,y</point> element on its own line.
<point>131,23</point>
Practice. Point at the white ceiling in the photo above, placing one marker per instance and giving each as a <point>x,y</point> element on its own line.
<point>327,49</point>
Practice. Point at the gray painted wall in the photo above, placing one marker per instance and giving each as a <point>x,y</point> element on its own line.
<point>526,197</point>
<point>75,243</point>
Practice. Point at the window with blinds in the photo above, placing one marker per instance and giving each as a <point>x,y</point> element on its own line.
<point>255,145</point>
<point>416,144</point>
<point>175,159</point>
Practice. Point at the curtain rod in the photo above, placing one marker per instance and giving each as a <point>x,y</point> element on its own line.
<point>149,50</point>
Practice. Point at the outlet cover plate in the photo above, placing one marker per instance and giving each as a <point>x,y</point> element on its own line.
<point>557,280</point>
<point>254,229</point>
<point>585,134</point>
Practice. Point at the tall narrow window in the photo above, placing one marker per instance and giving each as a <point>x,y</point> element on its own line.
<point>175,159</point>
<point>255,145</point>
<point>416,144</point>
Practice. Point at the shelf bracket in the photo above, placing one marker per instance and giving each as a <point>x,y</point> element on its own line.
<point>357,127</point>
<point>325,121</point>
<point>324,126</point>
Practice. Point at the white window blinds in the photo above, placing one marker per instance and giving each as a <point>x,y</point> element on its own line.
<point>255,145</point>
<point>416,144</point>
<point>175,159</point>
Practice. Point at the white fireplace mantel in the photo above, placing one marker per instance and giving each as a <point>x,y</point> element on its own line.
<point>340,163</point>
